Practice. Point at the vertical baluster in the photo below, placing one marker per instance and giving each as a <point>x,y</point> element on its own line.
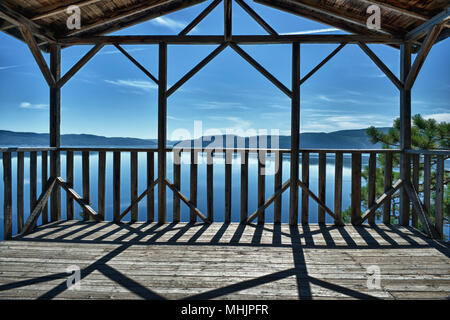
<point>177,184</point>
<point>322,185</point>
<point>228,160</point>
<point>151,194</point>
<point>7,196</point>
<point>69,171</point>
<point>439,206</point>
<point>277,186</point>
<point>415,181</point>
<point>116,188</point>
<point>387,186</point>
<point>33,179</point>
<point>338,169</point>
<point>86,182</point>
<point>356,187</point>
<point>261,184</point>
<point>44,178</point>
<point>193,184</point>
<point>244,186</point>
<point>101,183</point>
<point>20,179</point>
<point>134,185</point>
<point>427,182</point>
<point>371,188</point>
<point>305,180</point>
<point>210,185</point>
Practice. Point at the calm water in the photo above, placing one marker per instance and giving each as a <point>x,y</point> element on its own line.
<point>219,186</point>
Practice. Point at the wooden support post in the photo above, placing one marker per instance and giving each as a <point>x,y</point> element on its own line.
<point>86,182</point>
<point>101,183</point>
<point>277,186</point>
<point>427,182</point>
<point>439,205</point>
<point>134,185</point>
<point>177,184</point>
<point>116,186</point>
<point>150,180</point>
<point>305,180</point>
<point>415,181</point>
<point>228,177</point>
<point>295,132</point>
<point>44,177</point>
<point>356,188</point>
<point>261,185</point>
<point>244,186</point>
<point>405,133</point>
<point>55,121</point>
<point>227,26</point>
<point>338,171</point>
<point>387,186</point>
<point>193,184</point>
<point>7,196</point>
<point>372,184</point>
<point>69,174</point>
<point>210,185</point>
<point>20,182</point>
<point>33,179</point>
<point>322,185</point>
<point>162,132</point>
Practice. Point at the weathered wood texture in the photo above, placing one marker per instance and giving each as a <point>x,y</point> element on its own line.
<point>223,261</point>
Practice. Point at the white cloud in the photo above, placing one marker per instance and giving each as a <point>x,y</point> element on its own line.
<point>311,31</point>
<point>168,23</point>
<point>140,84</point>
<point>319,123</point>
<point>220,105</point>
<point>115,51</point>
<point>439,117</point>
<point>8,67</point>
<point>28,105</point>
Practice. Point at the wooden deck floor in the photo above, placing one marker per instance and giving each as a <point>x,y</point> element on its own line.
<point>220,261</point>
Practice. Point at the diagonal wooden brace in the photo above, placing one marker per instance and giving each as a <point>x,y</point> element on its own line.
<point>143,194</point>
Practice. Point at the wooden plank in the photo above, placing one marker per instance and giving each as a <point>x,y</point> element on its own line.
<point>59,7</point>
<point>387,185</point>
<point>102,184</point>
<point>69,177</point>
<point>116,186</point>
<point>227,26</point>
<point>428,25</point>
<point>150,179</point>
<point>55,130</point>
<point>338,171</point>
<point>134,185</point>
<point>7,196</point>
<point>44,177</point>
<point>256,17</point>
<point>34,214</point>
<point>263,70</point>
<point>371,185</point>
<point>277,205</point>
<point>305,180</point>
<point>439,205</point>
<point>295,134</point>
<point>261,185</point>
<point>244,186</point>
<point>177,184</point>
<point>20,182</point>
<point>193,184</point>
<point>200,17</point>
<point>162,132</point>
<point>210,186</point>
<point>322,186</point>
<point>86,181</point>
<point>415,181</point>
<point>228,185</point>
<point>33,179</point>
<point>356,188</point>
<point>427,182</point>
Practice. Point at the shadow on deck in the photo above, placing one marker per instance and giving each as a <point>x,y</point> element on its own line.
<point>223,261</point>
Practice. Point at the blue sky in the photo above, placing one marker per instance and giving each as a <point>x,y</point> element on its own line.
<point>111,97</point>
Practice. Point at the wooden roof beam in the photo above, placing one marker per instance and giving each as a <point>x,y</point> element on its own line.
<point>418,32</point>
<point>60,7</point>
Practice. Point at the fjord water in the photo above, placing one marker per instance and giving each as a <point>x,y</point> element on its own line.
<point>218,180</point>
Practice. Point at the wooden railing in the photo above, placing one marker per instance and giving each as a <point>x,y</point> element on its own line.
<point>377,203</point>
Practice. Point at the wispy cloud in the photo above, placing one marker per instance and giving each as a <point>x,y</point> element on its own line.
<point>220,105</point>
<point>139,84</point>
<point>169,23</point>
<point>8,67</point>
<point>311,31</point>
<point>115,51</point>
<point>28,105</point>
<point>439,117</point>
<point>236,122</point>
<point>318,123</point>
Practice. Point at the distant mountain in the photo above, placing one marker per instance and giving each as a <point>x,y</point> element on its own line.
<point>345,139</point>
